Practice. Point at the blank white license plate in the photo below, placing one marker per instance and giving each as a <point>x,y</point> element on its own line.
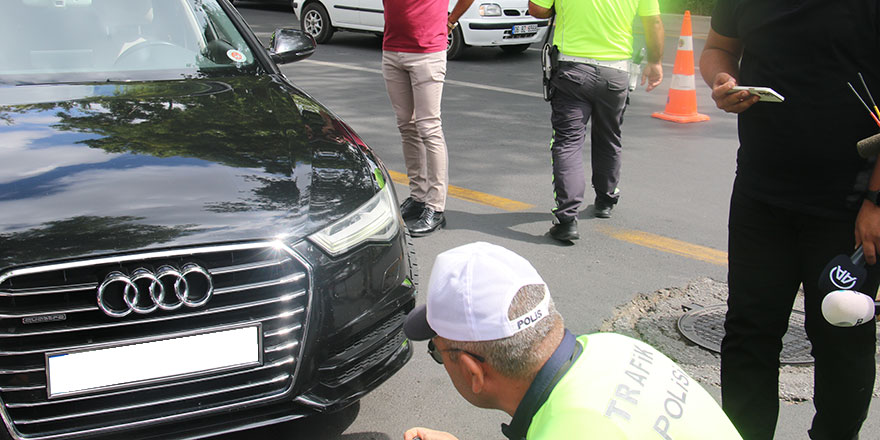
<point>111,367</point>
<point>524,29</point>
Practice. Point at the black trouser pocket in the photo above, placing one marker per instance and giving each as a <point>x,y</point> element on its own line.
<point>618,80</point>
<point>576,73</point>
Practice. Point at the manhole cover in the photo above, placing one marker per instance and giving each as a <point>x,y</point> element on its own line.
<point>705,327</point>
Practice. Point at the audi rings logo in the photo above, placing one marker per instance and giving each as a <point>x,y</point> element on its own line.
<point>143,291</point>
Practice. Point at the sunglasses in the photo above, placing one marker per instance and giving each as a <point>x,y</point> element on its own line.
<point>435,353</point>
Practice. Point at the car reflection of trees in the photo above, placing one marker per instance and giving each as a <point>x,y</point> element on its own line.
<point>81,235</point>
<point>161,119</point>
<point>239,122</point>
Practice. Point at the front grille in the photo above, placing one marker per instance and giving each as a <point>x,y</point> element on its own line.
<point>53,308</point>
<point>375,358</point>
<point>369,349</point>
<point>514,13</point>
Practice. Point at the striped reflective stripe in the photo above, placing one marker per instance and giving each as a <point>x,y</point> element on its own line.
<point>685,43</point>
<point>683,82</point>
<point>552,175</point>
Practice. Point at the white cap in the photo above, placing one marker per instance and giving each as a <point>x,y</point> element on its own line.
<point>470,292</point>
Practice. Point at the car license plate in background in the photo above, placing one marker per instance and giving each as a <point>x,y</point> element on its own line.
<point>95,369</point>
<point>524,29</point>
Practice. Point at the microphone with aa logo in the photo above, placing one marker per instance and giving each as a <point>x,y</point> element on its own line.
<point>844,273</point>
<point>847,308</point>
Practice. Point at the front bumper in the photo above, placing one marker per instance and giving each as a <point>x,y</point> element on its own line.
<point>484,32</point>
<point>332,332</point>
<point>321,400</point>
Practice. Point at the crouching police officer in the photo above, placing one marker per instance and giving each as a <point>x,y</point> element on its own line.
<point>594,42</point>
<point>492,324</point>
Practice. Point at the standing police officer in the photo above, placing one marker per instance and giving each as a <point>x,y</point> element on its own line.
<point>594,40</point>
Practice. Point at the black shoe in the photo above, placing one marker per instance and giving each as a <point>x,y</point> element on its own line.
<point>429,222</point>
<point>567,231</point>
<point>602,209</point>
<point>411,209</point>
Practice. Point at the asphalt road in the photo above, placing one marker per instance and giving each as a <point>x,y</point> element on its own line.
<point>669,228</point>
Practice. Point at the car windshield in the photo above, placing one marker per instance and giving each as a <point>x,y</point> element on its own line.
<point>118,40</point>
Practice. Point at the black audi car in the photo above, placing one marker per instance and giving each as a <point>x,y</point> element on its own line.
<point>189,244</point>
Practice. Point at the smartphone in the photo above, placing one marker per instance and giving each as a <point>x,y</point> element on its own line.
<point>766,94</point>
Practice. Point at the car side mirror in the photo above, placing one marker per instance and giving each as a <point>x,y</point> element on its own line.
<point>289,45</point>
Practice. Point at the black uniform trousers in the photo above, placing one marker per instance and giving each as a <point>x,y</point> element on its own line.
<point>772,251</point>
<point>584,92</point>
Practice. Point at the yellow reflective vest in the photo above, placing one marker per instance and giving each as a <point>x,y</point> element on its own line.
<point>622,388</point>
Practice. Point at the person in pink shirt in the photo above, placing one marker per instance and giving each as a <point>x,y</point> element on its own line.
<point>414,68</point>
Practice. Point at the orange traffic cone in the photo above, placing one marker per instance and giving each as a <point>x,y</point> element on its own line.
<point>681,105</point>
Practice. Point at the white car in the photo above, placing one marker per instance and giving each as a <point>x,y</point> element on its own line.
<point>503,23</point>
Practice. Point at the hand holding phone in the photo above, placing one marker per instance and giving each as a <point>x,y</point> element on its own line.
<point>765,94</point>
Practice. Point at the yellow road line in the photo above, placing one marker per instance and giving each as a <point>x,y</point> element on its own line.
<point>472,196</point>
<point>669,245</point>
<point>646,239</point>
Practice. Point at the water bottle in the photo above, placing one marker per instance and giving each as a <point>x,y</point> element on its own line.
<point>635,69</point>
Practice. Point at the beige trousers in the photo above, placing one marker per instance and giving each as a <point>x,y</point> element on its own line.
<point>415,86</point>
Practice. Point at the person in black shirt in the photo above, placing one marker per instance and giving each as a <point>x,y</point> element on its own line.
<point>797,200</point>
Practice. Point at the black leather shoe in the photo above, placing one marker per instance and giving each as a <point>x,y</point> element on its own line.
<point>429,222</point>
<point>567,231</point>
<point>602,209</point>
<point>411,209</point>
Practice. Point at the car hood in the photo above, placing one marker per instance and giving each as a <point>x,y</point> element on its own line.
<point>103,168</point>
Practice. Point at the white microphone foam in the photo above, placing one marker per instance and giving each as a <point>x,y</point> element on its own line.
<point>869,147</point>
<point>847,308</point>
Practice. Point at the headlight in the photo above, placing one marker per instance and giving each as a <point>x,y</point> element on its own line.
<point>375,220</point>
<point>490,10</point>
